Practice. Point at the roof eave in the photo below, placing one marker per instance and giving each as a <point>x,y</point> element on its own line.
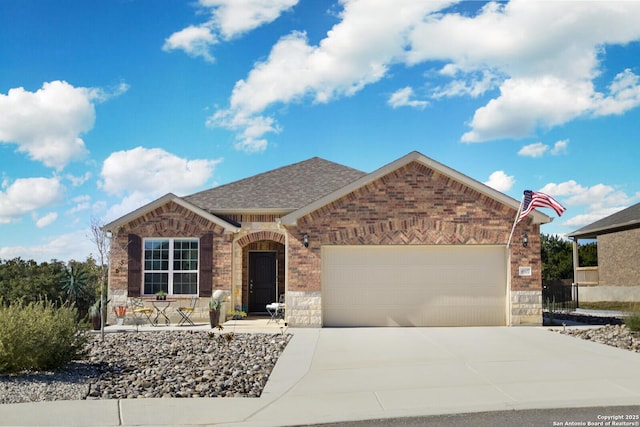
<point>292,218</point>
<point>169,197</point>
<point>595,232</point>
<point>253,211</point>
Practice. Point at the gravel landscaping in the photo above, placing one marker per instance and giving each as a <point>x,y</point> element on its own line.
<point>157,364</point>
<point>614,335</point>
<point>192,364</point>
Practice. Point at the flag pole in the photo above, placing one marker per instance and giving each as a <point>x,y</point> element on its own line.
<point>515,221</point>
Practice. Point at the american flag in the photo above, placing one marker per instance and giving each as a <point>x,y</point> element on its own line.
<point>535,199</point>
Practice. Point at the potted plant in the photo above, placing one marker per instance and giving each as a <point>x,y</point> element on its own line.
<point>161,295</point>
<point>120,311</point>
<point>237,315</point>
<point>215,304</point>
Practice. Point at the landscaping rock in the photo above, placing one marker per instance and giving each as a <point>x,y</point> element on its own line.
<point>156,364</point>
<point>614,335</point>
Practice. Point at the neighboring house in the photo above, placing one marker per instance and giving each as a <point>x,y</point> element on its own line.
<point>617,276</point>
<point>413,243</point>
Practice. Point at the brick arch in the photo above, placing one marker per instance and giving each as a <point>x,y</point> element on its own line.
<point>261,235</point>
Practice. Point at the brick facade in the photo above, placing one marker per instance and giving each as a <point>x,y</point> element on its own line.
<point>171,221</point>
<point>412,205</point>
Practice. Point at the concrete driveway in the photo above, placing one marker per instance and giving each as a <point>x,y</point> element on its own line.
<point>331,375</point>
<point>368,373</point>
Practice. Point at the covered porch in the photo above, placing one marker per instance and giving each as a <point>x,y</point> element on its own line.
<point>259,271</point>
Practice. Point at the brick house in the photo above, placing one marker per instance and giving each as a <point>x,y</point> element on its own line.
<point>413,243</point>
<point>617,275</point>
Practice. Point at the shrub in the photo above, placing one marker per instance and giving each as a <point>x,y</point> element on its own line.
<point>632,320</point>
<point>38,336</point>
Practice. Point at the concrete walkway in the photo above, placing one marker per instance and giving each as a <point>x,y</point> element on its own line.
<point>331,375</point>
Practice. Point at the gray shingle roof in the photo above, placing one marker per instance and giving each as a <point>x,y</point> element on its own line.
<point>283,189</point>
<point>625,219</point>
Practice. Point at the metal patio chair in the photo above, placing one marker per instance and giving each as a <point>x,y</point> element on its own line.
<point>140,311</point>
<point>276,310</point>
<point>185,312</point>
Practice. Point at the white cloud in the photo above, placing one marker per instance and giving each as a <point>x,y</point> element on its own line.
<point>466,83</point>
<point>74,245</point>
<point>560,147</point>
<point>543,57</point>
<point>48,124</point>
<point>48,219</point>
<point>533,150</point>
<point>82,203</point>
<point>100,95</point>
<point>525,104</point>
<point>403,98</point>
<point>27,195</point>
<point>77,181</point>
<point>581,220</point>
<point>349,58</point>
<point>500,181</point>
<point>548,75</point>
<point>195,41</point>
<point>143,174</point>
<point>539,149</point>
<point>251,129</point>
<point>624,94</point>
<point>228,19</point>
<point>235,17</point>
<point>597,201</point>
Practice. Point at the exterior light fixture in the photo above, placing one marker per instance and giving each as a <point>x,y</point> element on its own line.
<point>525,239</point>
<point>305,240</point>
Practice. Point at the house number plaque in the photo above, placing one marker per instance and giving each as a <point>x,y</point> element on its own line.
<point>524,271</point>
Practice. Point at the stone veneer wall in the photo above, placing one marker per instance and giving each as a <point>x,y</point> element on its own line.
<point>304,309</point>
<point>526,307</point>
<point>618,255</point>
<point>413,205</point>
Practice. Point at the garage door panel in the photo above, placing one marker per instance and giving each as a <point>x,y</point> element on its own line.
<point>413,285</point>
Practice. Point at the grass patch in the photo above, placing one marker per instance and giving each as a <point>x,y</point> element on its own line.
<point>627,306</point>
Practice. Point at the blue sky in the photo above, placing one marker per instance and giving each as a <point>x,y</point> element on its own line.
<point>107,105</point>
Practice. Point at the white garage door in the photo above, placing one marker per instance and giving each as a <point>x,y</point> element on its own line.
<point>413,285</point>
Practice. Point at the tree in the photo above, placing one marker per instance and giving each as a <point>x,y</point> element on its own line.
<point>75,281</point>
<point>30,281</point>
<point>588,254</point>
<point>100,239</point>
<point>557,258</point>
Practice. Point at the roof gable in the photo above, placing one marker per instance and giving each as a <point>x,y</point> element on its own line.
<point>280,190</point>
<point>414,156</point>
<point>623,220</point>
<point>167,198</point>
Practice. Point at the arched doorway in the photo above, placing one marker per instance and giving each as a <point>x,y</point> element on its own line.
<point>263,270</point>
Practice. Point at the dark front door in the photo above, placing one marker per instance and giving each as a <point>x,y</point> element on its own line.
<point>262,280</point>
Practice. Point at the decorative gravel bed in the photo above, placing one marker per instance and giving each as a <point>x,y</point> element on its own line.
<point>614,335</point>
<point>157,364</point>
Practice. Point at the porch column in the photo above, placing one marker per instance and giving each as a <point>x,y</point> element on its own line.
<point>576,261</point>
<point>576,264</point>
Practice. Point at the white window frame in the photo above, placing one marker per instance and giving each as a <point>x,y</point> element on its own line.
<point>170,271</point>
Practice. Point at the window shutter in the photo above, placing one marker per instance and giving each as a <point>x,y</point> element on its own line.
<point>134,278</point>
<point>206,265</point>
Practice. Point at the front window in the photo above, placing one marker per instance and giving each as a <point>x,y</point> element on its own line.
<point>171,265</point>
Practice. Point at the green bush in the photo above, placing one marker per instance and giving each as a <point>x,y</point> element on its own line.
<point>633,320</point>
<point>38,336</point>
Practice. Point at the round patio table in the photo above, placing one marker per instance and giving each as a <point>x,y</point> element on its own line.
<point>161,307</point>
